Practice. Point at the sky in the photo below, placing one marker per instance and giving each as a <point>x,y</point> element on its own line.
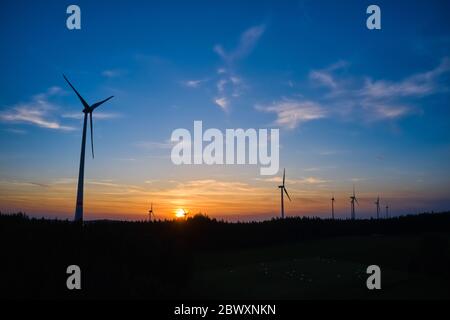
<point>354,106</point>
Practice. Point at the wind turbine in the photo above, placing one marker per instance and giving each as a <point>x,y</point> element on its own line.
<point>283,188</point>
<point>377,203</point>
<point>387,211</point>
<point>88,109</point>
<point>151,214</point>
<point>332,207</point>
<point>352,201</point>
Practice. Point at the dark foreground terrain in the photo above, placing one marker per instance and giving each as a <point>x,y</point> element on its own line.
<point>203,258</point>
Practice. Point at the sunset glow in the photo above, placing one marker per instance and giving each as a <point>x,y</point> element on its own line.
<point>346,115</point>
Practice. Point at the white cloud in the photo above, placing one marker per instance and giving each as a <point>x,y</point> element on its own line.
<point>97,115</point>
<point>323,78</point>
<point>222,102</point>
<point>291,113</point>
<point>112,73</point>
<point>192,83</point>
<point>39,111</point>
<point>247,43</point>
<point>374,100</point>
<point>418,85</point>
<point>229,86</point>
<point>390,111</point>
<point>221,85</point>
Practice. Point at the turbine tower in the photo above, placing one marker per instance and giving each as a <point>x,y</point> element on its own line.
<point>87,110</point>
<point>352,201</point>
<point>332,207</point>
<point>377,203</point>
<point>283,189</point>
<point>387,211</point>
<point>151,214</point>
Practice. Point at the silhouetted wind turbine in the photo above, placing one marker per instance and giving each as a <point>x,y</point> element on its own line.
<point>283,189</point>
<point>387,211</point>
<point>352,201</point>
<point>87,110</point>
<point>377,203</point>
<point>151,214</point>
<point>332,207</point>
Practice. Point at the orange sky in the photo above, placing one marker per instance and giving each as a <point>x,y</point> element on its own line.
<point>256,198</point>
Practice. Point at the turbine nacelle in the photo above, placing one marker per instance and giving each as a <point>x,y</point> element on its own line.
<point>88,109</point>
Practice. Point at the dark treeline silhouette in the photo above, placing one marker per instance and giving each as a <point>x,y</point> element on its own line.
<point>157,259</point>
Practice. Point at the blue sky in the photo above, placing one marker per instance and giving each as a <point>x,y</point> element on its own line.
<point>353,105</point>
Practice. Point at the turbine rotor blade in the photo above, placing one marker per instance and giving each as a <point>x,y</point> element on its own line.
<point>85,104</point>
<point>92,135</point>
<point>287,194</point>
<point>284,175</point>
<point>97,104</point>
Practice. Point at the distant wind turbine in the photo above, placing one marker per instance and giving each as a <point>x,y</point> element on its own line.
<point>88,109</point>
<point>283,189</point>
<point>332,207</point>
<point>151,214</point>
<point>352,201</point>
<point>387,211</point>
<point>377,203</point>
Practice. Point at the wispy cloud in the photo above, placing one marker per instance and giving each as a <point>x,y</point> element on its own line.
<point>389,111</point>
<point>97,115</point>
<point>247,43</point>
<point>229,85</point>
<point>291,113</point>
<point>38,111</point>
<point>222,102</point>
<point>193,83</point>
<point>23,183</point>
<point>154,144</point>
<point>112,73</point>
<point>417,85</point>
<point>304,180</point>
<point>325,77</point>
<point>375,100</point>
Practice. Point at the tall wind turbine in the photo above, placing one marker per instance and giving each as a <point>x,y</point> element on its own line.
<point>332,207</point>
<point>377,203</point>
<point>151,214</point>
<point>87,110</point>
<point>352,201</point>
<point>283,189</point>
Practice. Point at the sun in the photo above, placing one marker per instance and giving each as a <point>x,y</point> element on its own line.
<point>180,213</point>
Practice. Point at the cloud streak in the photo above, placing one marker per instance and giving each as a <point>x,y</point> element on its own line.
<point>229,86</point>
<point>39,111</point>
<point>351,98</point>
<point>247,43</point>
<point>291,113</point>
